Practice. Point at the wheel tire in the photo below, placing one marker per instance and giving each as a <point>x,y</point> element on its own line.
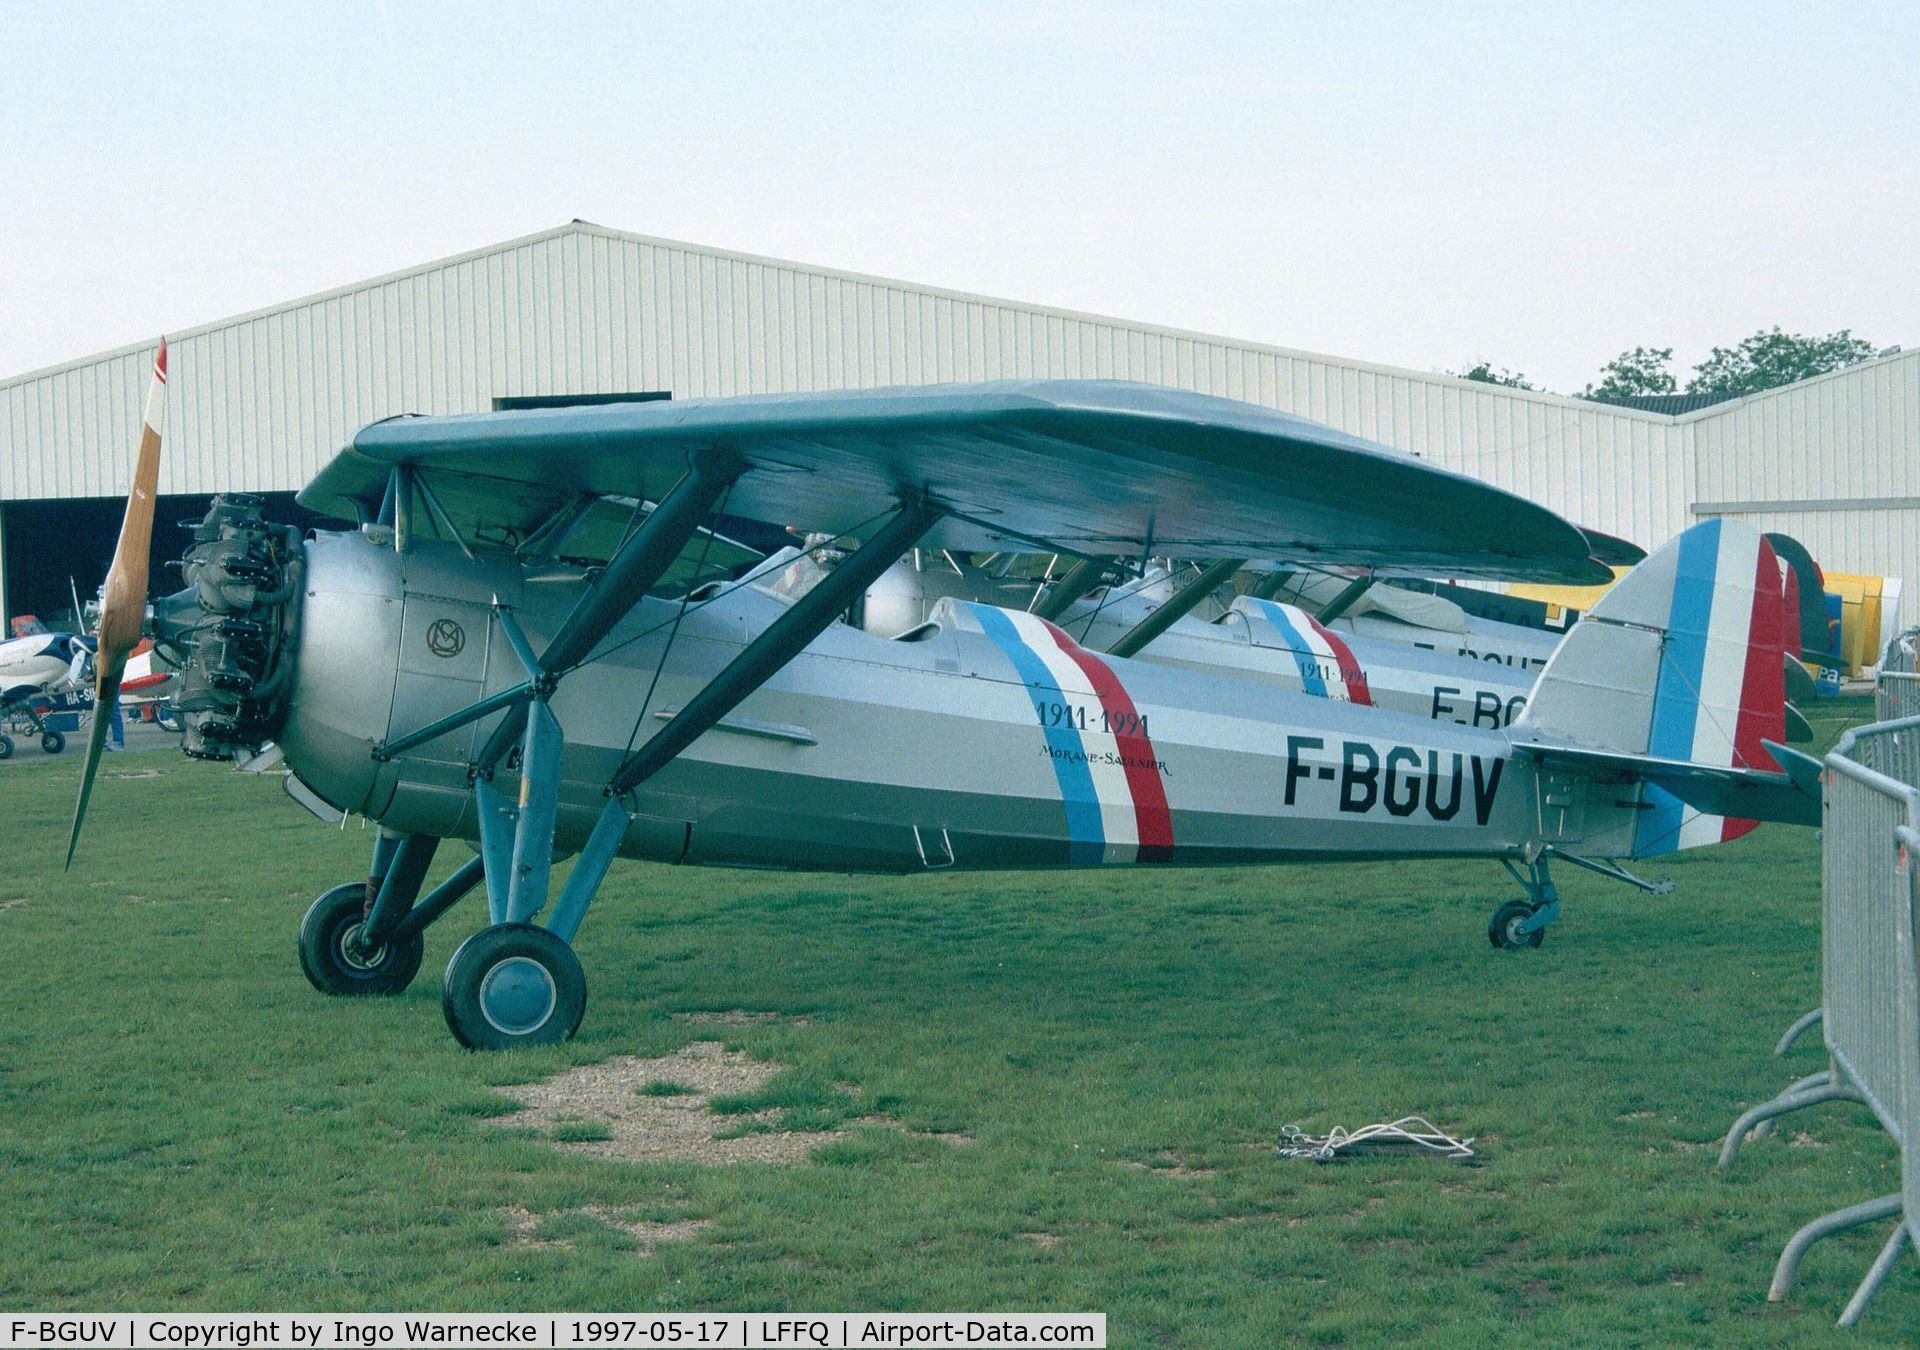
<point>1504,929</point>
<point>6,747</point>
<point>330,965</point>
<point>52,742</point>
<point>512,985</point>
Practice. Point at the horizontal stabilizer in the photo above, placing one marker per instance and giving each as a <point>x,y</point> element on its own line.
<point>1799,729</point>
<point>1800,686</point>
<point>1802,768</point>
<point>1742,794</point>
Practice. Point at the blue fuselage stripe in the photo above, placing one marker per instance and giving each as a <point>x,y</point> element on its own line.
<point>1086,835</point>
<point>1683,663</point>
<point>1309,660</point>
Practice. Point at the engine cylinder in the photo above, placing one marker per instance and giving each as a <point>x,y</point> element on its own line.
<point>233,637</point>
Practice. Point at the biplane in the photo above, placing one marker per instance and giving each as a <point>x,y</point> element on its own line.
<point>1418,670</point>
<point>36,670</point>
<point>461,665</point>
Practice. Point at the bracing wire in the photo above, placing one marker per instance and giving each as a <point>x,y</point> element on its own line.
<point>699,569</point>
<point>602,653</point>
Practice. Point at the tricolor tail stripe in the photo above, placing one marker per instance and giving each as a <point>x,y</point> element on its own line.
<point>1718,692</point>
<point>1115,801</point>
<point>1316,645</point>
<point>1763,685</point>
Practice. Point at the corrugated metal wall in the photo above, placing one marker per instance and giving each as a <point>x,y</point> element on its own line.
<point>1834,462</point>
<point>262,401</point>
<point>1849,436</point>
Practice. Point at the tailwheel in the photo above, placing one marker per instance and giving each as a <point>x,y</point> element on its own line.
<point>52,742</point>
<point>335,961</point>
<point>1505,931</point>
<point>513,984</point>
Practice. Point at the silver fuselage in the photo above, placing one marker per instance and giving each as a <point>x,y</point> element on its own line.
<point>1488,641</point>
<point>1275,645</point>
<point>874,754</point>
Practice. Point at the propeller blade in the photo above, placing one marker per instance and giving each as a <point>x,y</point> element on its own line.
<point>124,608</point>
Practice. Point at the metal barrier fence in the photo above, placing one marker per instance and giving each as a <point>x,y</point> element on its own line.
<point>1896,691</point>
<point>1861,902</point>
<point>1870,985</point>
<point>1896,695</point>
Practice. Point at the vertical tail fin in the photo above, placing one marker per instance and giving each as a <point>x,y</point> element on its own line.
<point>1681,661</point>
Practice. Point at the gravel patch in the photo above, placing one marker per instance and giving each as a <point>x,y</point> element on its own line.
<point>679,1128</point>
<point>640,1126</point>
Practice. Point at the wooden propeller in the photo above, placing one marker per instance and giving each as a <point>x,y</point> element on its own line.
<point>124,607</point>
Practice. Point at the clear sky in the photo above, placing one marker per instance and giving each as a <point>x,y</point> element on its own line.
<point>1541,185</point>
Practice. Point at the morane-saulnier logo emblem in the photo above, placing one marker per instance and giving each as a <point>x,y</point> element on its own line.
<point>445,638</point>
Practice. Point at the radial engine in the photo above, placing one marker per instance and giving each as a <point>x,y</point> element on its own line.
<point>231,632</point>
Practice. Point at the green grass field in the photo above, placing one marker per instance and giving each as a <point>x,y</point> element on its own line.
<point>185,1124</point>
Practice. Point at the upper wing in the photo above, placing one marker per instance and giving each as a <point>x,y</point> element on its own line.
<point>1091,467</point>
<point>1612,550</point>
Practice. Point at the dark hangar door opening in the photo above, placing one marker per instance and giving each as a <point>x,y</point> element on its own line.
<point>51,540</point>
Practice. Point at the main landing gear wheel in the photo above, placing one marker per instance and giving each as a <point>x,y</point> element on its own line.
<point>1504,931</point>
<point>513,984</point>
<point>330,952</point>
<point>52,742</point>
<point>6,747</point>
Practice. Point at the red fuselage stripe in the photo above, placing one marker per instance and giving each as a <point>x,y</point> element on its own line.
<point>1136,749</point>
<point>1350,673</point>
<point>1762,692</point>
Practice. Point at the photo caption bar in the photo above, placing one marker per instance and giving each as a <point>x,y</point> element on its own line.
<point>358,1331</point>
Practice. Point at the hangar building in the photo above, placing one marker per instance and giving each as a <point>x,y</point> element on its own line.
<point>261,401</point>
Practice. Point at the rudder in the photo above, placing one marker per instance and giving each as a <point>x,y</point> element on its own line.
<point>1680,661</point>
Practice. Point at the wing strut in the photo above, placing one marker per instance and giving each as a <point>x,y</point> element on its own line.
<point>1082,577</point>
<point>1347,599</point>
<point>783,640</point>
<point>1270,586</point>
<point>1178,606</point>
<point>640,562</point>
<point>516,837</point>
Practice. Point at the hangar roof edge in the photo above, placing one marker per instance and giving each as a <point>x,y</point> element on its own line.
<point>1566,402</point>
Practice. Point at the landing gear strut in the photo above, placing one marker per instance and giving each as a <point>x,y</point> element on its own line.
<point>1523,923</point>
<point>364,937</point>
<point>336,956</point>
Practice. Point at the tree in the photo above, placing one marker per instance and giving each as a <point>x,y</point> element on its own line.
<point>1635,374</point>
<point>1486,374</point>
<point>1771,358</point>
